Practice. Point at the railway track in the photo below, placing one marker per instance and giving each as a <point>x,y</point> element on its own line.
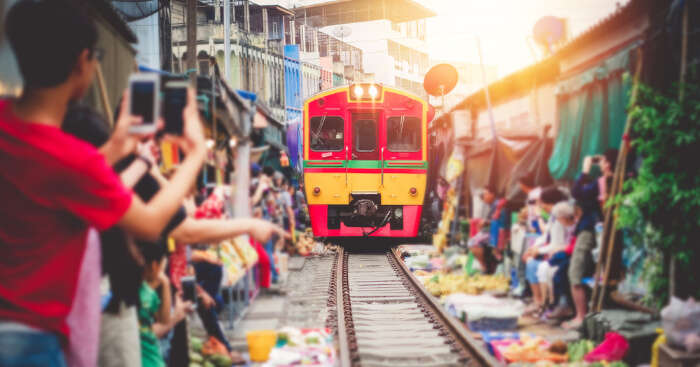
<point>383,317</point>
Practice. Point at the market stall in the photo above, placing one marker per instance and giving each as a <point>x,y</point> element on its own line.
<point>481,302</point>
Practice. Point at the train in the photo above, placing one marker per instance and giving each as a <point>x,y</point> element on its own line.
<point>364,161</point>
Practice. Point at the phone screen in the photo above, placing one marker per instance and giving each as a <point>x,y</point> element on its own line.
<point>175,100</point>
<point>188,288</point>
<point>142,100</point>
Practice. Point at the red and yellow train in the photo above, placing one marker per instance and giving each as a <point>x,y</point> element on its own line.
<point>365,161</point>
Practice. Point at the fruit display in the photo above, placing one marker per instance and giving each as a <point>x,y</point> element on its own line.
<point>245,251</point>
<point>529,349</point>
<point>233,263</point>
<point>208,354</point>
<point>446,284</point>
<point>305,243</point>
<point>577,350</point>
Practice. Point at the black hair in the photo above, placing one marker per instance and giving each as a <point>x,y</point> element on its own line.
<point>268,171</point>
<point>611,156</point>
<point>86,124</point>
<point>153,252</point>
<point>552,195</point>
<point>487,188</point>
<point>57,28</point>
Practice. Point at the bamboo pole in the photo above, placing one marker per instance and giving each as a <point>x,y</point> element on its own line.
<point>684,56</point>
<point>605,263</point>
<point>104,97</point>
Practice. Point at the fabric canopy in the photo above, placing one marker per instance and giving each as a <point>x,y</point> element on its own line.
<point>592,112</point>
<point>500,163</point>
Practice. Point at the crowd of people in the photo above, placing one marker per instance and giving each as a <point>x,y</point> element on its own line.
<point>550,241</point>
<point>99,262</point>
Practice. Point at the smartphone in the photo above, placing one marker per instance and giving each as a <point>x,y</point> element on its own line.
<point>188,291</point>
<point>595,159</point>
<point>144,101</point>
<point>174,103</point>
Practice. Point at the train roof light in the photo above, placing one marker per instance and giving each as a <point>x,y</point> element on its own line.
<point>365,92</point>
<point>373,91</point>
<point>358,91</point>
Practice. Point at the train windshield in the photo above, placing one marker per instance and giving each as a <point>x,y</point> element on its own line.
<point>327,133</point>
<point>365,132</point>
<point>403,134</point>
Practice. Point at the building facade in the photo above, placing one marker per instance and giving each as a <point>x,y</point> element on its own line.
<point>390,34</point>
<point>272,55</point>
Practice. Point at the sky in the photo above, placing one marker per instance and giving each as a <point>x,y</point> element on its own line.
<point>503,26</point>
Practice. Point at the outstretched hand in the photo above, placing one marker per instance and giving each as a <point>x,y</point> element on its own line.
<point>262,230</point>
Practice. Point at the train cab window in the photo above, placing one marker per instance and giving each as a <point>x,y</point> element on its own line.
<point>403,134</point>
<point>327,133</point>
<point>365,135</point>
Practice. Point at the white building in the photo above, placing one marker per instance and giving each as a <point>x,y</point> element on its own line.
<point>390,33</point>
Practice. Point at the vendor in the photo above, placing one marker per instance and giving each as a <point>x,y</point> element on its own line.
<point>554,233</point>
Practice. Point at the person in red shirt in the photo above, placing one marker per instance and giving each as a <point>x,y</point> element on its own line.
<point>57,190</point>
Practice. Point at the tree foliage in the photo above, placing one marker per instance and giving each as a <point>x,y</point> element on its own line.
<point>664,196</point>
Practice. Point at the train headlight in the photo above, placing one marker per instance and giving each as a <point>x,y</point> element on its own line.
<point>317,190</point>
<point>373,91</point>
<point>359,91</point>
<point>398,213</point>
<point>413,191</point>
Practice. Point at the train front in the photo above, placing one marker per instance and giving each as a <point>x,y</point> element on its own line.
<point>365,161</point>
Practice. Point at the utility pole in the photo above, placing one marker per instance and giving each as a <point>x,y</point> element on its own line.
<point>486,89</point>
<point>246,16</point>
<point>227,39</point>
<point>192,41</point>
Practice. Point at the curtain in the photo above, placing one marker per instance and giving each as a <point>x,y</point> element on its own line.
<point>592,111</point>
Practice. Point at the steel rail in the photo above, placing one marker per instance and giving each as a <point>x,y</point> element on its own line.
<point>459,333</point>
<point>343,344</point>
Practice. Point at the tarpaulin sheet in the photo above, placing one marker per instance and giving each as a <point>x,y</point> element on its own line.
<point>500,163</point>
<point>592,112</point>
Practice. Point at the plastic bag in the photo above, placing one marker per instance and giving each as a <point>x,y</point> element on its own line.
<point>681,322</point>
<point>613,348</point>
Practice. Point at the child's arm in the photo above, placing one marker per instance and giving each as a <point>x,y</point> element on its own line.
<point>163,314</point>
<point>179,313</point>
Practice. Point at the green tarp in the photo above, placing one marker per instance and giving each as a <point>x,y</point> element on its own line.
<point>592,111</point>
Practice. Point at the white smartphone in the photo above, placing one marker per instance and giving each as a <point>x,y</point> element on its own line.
<point>144,101</point>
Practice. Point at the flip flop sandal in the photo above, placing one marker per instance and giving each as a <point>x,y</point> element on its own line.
<point>568,325</point>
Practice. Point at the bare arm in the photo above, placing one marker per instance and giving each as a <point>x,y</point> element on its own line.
<point>147,221</point>
<point>155,172</point>
<point>290,215</point>
<point>179,312</point>
<point>163,313</point>
<point>214,230</point>
<point>132,174</point>
<point>262,185</point>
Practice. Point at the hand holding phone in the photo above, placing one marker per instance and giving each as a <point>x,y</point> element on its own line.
<point>188,288</point>
<point>174,105</point>
<point>192,130</point>
<point>144,101</point>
